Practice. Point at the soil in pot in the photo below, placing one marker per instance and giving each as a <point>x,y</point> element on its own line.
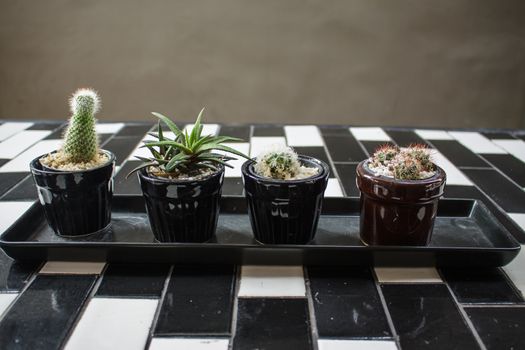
<point>182,208</point>
<point>75,202</point>
<point>285,211</point>
<point>398,212</point>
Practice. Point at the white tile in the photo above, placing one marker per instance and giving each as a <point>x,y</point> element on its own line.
<point>16,144</point>
<point>519,218</point>
<point>369,134</point>
<point>514,147</point>
<point>11,128</point>
<point>454,175</point>
<point>207,129</point>
<point>113,323</point>
<point>5,301</point>
<point>188,344</point>
<point>303,135</point>
<point>272,281</point>
<point>260,143</point>
<point>72,267</point>
<point>407,275</point>
<point>334,344</point>
<point>433,134</point>
<point>516,271</point>
<point>237,163</point>
<point>11,211</point>
<point>476,142</point>
<point>333,189</point>
<point>108,128</point>
<point>21,162</point>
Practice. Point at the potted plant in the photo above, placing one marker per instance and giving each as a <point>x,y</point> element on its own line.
<point>182,182</point>
<point>75,183</point>
<point>400,189</point>
<point>284,192</point>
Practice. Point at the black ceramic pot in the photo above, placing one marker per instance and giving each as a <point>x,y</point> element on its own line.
<point>285,211</point>
<point>398,212</point>
<point>76,203</point>
<point>182,210</point>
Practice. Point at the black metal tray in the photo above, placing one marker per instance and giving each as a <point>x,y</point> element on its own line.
<point>465,234</point>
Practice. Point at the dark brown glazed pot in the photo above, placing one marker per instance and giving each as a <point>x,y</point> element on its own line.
<point>76,203</point>
<point>182,210</point>
<point>398,212</point>
<point>285,211</point>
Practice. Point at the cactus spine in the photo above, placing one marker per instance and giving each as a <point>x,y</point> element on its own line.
<point>80,140</point>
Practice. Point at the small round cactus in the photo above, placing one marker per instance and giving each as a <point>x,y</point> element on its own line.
<point>281,163</point>
<point>80,140</point>
<point>411,163</point>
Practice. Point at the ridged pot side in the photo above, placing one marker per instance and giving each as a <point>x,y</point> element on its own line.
<point>182,210</point>
<point>398,212</point>
<point>285,211</point>
<point>75,203</point>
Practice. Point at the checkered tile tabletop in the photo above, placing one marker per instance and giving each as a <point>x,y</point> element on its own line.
<point>87,305</point>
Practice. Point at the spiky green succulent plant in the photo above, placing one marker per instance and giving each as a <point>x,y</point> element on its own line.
<point>80,140</point>
<point>411,163</point>
<point>188,151</point>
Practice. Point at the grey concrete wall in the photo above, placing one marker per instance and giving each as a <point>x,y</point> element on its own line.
<point>404,62</point>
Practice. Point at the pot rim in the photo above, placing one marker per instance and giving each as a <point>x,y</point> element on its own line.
<point>44,169</point>
<point>155,179</point>
<point>247,169</point>
<point>439,176</point>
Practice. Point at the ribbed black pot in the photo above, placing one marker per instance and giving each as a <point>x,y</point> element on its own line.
<point>75,203</point>
<point>285,211</point>
<point>182,210</point>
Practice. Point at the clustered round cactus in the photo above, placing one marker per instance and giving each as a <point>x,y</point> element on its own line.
<point>411,163</point>
<point>282,163</point>
<point>80,141</point>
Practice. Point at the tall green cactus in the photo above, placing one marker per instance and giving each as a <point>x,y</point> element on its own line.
<point>80,140</point>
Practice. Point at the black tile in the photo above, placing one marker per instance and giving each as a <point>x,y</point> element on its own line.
<point>499,327</point>
<point>199,300</point>
<point>45,126</point>
<point>9,180</point>
<point>134,130</point>
<point>521,137</point>
<point>509,196</point>
<point>272,324</point>
<point>486,285</point>
<point>15,274</point>
<point>405,138</point>
<point>509,165</point>
<point>3,161</point>
<point>133,280</point>
<point>122,147</point>
<point>372,146</point>
<point>43,315</point>
<point>498,135</point>
<point>130,185</point>
<point>344,148</point>
<point>103,139</point>
<point>316,152</point>
<point>334,130</point>
<point>458,154</point>
<point>426,317</point>
<point>57,133</point>
<point>24,190</point>
<point>346,303</point>
<point>471,192</point>
<point>347,176</point>
<point>267,130</point>
<point>232,186</point>
<point>239,131</point>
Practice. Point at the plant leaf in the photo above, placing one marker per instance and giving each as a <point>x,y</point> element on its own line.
<point>173,127</point>
<point>174,144</point>
<point>145,165</point>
